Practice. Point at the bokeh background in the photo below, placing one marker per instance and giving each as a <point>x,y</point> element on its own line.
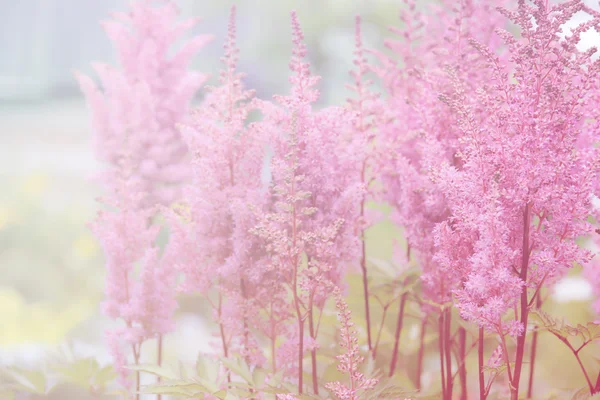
<point>51,272</point>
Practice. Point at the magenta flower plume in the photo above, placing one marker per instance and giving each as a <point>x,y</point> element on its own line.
<point>523,193</point>
<point>421,129</point>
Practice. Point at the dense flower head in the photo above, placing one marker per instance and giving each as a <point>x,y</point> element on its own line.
<point>419,128</point>
<point>144,100</point>
<point>485,145</point>
<point>313,186</point>
<point>522,196</point>
<point>135,116</point>
<point>209,241</point>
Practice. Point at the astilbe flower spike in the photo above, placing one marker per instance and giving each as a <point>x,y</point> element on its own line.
<point>422,134</point>
<point>147,97</point>
<point>209,241</point>
<point>367,107</point>
<point>350,360</point>
<point>522,196</point>
<point>134,117</point>
<point>315,190</point>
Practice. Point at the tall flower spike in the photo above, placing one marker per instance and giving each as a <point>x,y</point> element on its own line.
<point>302,81</point>
<point>361,150</point>
<point>148,97</point>
<point>350,360</point>
<point>522,196</point>
<point>135,115</point>
<point>308,232</point>
<point>211,246</point>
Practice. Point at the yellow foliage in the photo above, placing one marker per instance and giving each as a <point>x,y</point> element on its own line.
<point>35,184</point>
<point>85,247</point>
<point>39,322</point>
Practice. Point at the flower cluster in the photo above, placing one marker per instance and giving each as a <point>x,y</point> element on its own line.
<point>484,144</point>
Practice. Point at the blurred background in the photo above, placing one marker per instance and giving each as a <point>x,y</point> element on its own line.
<point>51,272</point>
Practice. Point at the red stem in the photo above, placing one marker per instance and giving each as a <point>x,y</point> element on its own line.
<point>365,279</point>
<point>273,337</point>
<point>597,386</point>
<point>421,353</point>
<point>462,368</point>
<point>538,304</point>
<point>300,353</point>
<point>482,394</point>
<point>313,352</point>
<point>441,342</point>
<point>295,285</point>
<point>376,346</point>
<point>448,349</point>
<point>398,332</point>
<point>524,305</point>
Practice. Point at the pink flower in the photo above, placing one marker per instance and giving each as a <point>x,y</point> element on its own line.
<point>137,110</point>
<point>350,360</point>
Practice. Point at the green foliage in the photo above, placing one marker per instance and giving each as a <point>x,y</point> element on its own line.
<point>582,393</point>
<point>87,373</point>
<point>24,380</point>
<point>586,333</point>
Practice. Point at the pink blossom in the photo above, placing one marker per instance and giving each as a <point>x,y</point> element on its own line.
<point>350,359</point>
<point>142,102</point>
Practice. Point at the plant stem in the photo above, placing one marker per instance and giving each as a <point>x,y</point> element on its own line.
<point>448,349</point>
<point>313,352</point>
<point>482,394</point>
<point>587,378</point>
<point>421,353</point>
<point>159,360</point>
<point>273,338</point>
<point>398,332</point>
<point>538,304</point>
<point>300,353</point>
<point>462,367</point>
<point>597,386</point>
<point>136,357</point>
<point>441,342</point>
<point>385,308</point>
<point>295,261</point>
<point>363,267</point>
<point>524,305</point>
<point>245,319</point>
<point>222,333</point>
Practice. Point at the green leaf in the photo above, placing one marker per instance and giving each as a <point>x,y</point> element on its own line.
<point>581,394</point>
<point>80,372</point>
<point>276,379</point>
<point>587,333</point>
<point>221,394</point>
<point>176,388</point>
<point>259,375</point>
<point>28,380</point>
<point>162,371</point>
<point>105,375</point>
<point>238,367</point>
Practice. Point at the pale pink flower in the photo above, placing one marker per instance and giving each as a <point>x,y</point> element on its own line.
<point>144,100</point>
<point>349,361</point>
